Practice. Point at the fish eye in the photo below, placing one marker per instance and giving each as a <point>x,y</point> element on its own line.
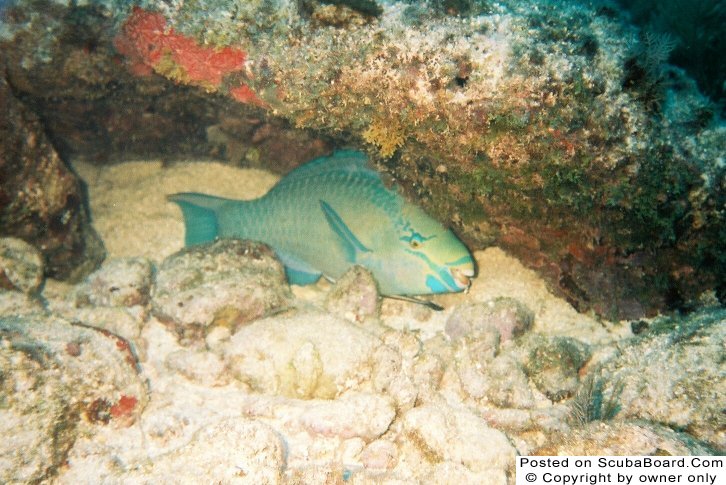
<point>415,240</point>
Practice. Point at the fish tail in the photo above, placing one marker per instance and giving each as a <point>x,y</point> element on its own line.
<point>201,216</point>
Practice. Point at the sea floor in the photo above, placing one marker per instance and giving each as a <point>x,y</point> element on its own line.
<point>310,393</point>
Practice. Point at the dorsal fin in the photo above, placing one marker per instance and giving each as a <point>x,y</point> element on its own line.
<point>351,164</point>
<point>341,161</point>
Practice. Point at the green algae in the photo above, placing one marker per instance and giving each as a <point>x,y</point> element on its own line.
<point>684,327</point>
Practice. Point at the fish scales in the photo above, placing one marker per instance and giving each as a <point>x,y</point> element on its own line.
<point>331,214</point>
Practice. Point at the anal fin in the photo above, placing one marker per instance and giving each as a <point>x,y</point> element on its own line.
<point>302,278</point>
<point>298,272</point>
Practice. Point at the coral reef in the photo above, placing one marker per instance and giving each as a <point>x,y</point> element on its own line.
<point>554,131</point>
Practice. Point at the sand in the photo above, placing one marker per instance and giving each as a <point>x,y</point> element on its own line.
<point>129,207</point>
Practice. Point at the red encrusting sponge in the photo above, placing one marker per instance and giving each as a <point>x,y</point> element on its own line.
<point>149,45</point>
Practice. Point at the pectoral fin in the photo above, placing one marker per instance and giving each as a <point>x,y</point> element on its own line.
<point>351,245</point>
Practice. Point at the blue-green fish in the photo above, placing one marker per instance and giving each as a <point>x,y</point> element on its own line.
<point>330,214</point>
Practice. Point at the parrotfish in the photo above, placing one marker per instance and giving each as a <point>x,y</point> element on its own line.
<point>330,214</point>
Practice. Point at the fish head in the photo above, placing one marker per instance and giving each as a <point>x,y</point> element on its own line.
<point>426,258</point>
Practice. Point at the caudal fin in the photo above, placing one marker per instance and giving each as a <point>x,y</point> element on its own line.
<point>200,216</point>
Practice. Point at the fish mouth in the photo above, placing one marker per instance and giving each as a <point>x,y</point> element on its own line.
<point>462,276</point>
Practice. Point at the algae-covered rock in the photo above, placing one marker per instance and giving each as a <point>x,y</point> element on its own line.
<point>226,283</point>
<point>121,282</point>
<point>41,201</point>
<point>622,438</point>
<point>59,380</point>
<point>354,296</point>
<point>674,375</point>
<point>66,67</point>
<point>553,365</point>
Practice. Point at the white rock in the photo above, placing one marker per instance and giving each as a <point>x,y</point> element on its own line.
<point>233,450</point>
<point>225,283</point>
<point>302,355</point>
<point>440,434</point>
<point>60,381</point>
<point>366,416</point>
<point>380,454</point>
<point>200,366</point>
<point>21,266</point>
<point>17,303</point>
<point>118,282</point>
